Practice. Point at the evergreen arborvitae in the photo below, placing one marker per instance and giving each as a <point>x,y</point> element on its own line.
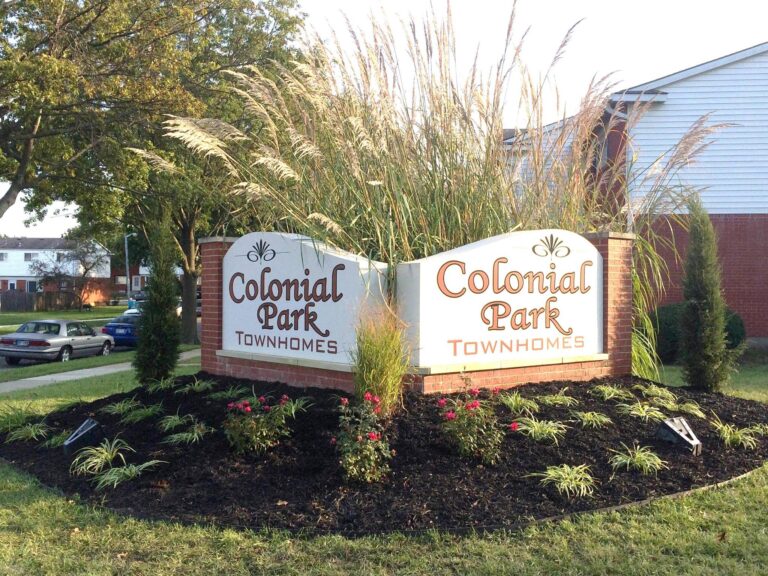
<point>707,363</point>
<point>159,331</point>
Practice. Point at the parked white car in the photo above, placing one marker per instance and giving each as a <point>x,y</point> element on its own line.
<point>53,340</point>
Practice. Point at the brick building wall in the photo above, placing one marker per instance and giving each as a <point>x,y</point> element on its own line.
<point>743,254</point>
<point>616,250</point>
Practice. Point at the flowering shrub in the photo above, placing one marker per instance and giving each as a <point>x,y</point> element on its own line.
<point>364,450</point>
<point>258,425</point>
<point>472,426</point>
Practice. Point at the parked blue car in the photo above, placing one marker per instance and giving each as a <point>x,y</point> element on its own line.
<point>124,329</point>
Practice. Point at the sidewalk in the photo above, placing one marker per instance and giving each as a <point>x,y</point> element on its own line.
<point>37,381</point>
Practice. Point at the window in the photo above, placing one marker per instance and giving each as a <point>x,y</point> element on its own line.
<point>12,286</point>
<point>29,256</point>
<point>3,256</point>
<point>59,256</point>
<point>31,285</point>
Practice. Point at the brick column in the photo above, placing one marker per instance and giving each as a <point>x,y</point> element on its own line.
<point>212,251</point>
<point>616,250</point>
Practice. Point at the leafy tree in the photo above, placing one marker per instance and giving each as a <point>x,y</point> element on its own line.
<point>73,268</point>
<point>158,349</point>
<point>706,360</point>
<point>81,83</point>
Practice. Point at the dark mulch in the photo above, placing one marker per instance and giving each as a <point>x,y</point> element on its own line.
<point>299,485</point>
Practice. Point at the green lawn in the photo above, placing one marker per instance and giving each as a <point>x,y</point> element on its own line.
<point>44,369</point>
<point>751,380</point>
<point>717,532</point>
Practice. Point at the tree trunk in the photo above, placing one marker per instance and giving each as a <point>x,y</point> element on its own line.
<point>189,307</point>
<point>188,244</point>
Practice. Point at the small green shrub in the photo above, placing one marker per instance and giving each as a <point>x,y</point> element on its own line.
<point>692,408</point>
<point>161,385</point>
<point>362,443</point>
<point>259,426</point>
<point>231,393</point>
<point>640,458</point>
<point>655,391</point>
<point>57,440</point>
<point>12,417</point>
<point>192,435</point>
<point>141,413</point>
<point>28,432</point>
<point>643,410</point>
<point>157,351</point>
<point>667,326</point>
<point>121,408</point>
<point>542,430</point>
<point>518,405</point>
<point>196,387</point>
<point>168,423</point>
<point>472,427</point>
<point>569,480</point>
<point>381,359</point>
<point>592,419</point>
<point>559,399</point>
<point>91,460</point>
<point>113,477</point>
<point>608,392</point>
<point>733,436</point>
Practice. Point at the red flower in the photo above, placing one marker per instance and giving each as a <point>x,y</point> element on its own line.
<point>267,408</point>
<point>496,391</point>
<point>367,396</point>
<point>442,402</point>
<point>474,392</point>
<point>230,405</point>
<point>450,415</point>
<point>333,441</point>
<point>372,436</point>
<point>375,399</point>
<point>514,426</point>
<point>246,403</point>
<point>344,401</point>
<point>262,399</point>
<point>247,408</point>
<point>472,405</point>
<point>284,399</point>
<point>377,410</point>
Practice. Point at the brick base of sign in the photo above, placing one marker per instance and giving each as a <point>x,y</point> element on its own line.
<point>616,250</point>
<point>510,377</point>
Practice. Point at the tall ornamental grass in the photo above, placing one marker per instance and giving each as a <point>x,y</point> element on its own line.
<point>380,359</point>
<point>390,151</point>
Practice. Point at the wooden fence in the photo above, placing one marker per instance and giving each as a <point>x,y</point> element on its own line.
<point>17,301</point>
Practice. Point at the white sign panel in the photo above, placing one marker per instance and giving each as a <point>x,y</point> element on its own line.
<point>512,299</point>
<point>287,297</point>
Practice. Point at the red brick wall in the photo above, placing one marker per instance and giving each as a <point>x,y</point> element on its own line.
<point>615,249</point>
<point>743,254</point>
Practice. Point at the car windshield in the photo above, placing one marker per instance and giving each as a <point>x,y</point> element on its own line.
<point>126,319</point>
<point>38,328</point>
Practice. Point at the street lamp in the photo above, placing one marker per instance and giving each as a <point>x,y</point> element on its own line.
<point>127,269</point>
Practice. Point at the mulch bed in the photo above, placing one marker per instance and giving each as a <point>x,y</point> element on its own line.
<point>300,486</point>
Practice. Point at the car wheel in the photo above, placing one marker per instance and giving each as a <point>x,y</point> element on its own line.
<point>65,354</point>
<point>106,348</point>
<point>12,361</point>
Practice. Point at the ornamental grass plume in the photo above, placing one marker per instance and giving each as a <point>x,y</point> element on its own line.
<point>392,152</point>
<point>380,359</point>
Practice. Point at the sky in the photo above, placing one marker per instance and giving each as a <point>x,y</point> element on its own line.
<point>634,41</point>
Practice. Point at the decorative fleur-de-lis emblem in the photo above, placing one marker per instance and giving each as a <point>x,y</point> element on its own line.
<point>261,252</point>
<point>552,247</point>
